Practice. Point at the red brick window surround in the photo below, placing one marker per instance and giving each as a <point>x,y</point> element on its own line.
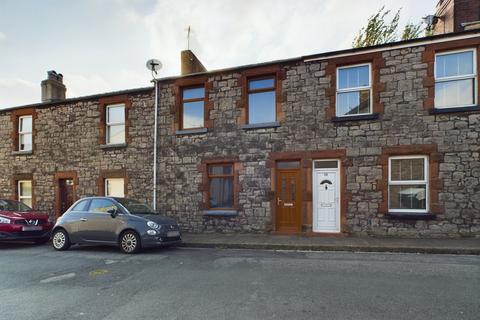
<point>368,92</point>
<point>410,180</point>
<point>261,89</point>
<point>23,188</point>
<point>113,125</point>
<point>220,186</point>
<point>191,94</point>
<point>436,76</point>
<point>112,180</point>
<point>23,130</point>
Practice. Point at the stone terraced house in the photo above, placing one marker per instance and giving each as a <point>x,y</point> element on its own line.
<point>381,140</point>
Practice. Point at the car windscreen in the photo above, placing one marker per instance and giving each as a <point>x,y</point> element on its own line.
<point>12,205</point>
<point>135,207</point>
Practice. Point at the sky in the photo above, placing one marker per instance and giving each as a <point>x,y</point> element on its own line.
<point>102,45</point>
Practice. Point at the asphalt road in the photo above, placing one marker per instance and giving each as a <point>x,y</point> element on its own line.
<point>37,282</point>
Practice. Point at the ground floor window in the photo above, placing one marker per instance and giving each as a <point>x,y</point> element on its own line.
<point>25,192</point>
<point>115,187</point>
<point>408,184</point>
<point>220,177</point>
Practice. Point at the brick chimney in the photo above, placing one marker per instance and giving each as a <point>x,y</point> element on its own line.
<point>456,16</point>
<point>53,88</point>
<point>190,63</point>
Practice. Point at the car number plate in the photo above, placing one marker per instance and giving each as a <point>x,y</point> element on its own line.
<point>173,233</point>
<point>33,228</point>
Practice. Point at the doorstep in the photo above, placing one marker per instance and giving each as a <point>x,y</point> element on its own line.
<point>351,243</point>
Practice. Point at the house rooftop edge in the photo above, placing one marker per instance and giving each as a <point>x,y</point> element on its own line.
<point>312,57</point>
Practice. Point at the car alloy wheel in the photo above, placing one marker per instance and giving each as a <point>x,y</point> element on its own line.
<point>60,240</point>
<point>130,242</point>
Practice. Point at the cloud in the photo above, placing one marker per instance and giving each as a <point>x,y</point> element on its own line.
<point>80,85</point>
<point>17,91</point>
<point>2,36</point>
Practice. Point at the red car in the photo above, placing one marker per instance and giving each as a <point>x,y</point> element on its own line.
<point>20,222</point>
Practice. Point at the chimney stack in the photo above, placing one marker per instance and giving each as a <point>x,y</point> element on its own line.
<point>190,63</point>
<point>53,88</point>
<point>456,16</point>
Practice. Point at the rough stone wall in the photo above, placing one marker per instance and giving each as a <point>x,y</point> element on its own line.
<point>306,128</point>
<point>66,139</point>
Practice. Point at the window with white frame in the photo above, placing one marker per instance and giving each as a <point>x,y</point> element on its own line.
<point>115,187</point>
<point>354,90</point>
<point>115,124</point>
<point>25,192</point>
<point>25,133</point>
<point>455,79</point>
<point>408,184</point>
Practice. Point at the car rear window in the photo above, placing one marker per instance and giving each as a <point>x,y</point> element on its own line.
<point>81,206</point>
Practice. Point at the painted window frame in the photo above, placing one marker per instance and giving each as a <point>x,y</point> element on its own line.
<point>354,89</point>
<point>20,196</point>
<point>109,124</point>
<point>24,133</point>
<point>473,76</point>
<point>105,182</point>
<point>253,91</point>
<point>183,101</point>
<point>425,181</point>
<point>209,177</point>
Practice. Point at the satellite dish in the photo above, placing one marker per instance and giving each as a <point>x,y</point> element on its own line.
<point>154,65</point>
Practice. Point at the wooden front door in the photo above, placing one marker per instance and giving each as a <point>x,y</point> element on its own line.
<point>66,195</point>
<point>288,200</point>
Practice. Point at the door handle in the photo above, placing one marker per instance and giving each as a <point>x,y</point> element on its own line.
<point>83,219</point>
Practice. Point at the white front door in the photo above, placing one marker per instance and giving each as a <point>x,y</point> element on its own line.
<point>326,200</point>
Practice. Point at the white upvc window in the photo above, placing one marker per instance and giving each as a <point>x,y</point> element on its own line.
<point>115,124</point>
<point>25,192</point>
<point>25,133</point>
<point>456,79</point>
<point>408,187</point>
<point>115,187</point>
<point>354,90</point>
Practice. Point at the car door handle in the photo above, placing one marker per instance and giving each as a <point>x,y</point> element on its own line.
<point>83,219</point>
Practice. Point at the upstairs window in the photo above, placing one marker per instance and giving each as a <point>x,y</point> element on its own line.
<point>455,79</point>
<point>115,124</point>
<point>408,184</point>
<point>354,90</point>
<point>115,187</point>
<point>24,192</point>
<point>220,178</point>
<point>261,100</point>
<point>193,108</point>
<point>25,133</point>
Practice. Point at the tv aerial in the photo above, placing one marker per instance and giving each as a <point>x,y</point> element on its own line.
<point>154,66</point>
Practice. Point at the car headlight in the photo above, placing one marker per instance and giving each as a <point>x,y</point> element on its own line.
<point>152,225</point>
<point>4,220</point>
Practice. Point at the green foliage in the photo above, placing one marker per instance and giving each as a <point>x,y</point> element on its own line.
<point>379,31</point>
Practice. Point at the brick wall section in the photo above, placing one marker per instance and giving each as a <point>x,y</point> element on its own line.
<point>306,128</point>
<point>67,140</point>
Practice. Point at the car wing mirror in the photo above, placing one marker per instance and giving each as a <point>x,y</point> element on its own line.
<point>113,212</point>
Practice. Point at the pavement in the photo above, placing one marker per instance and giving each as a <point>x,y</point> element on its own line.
<point>91,283</point>
<point>341,243</point>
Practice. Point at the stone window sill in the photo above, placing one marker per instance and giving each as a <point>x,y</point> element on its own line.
<point>373,116</point>
<point>22,153</point>
<point>410,216</point>
<point>265,125</point>
<point>453,110</point>
<point>220,213</point>
<point>191,131</point>
<point>113,146</point>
